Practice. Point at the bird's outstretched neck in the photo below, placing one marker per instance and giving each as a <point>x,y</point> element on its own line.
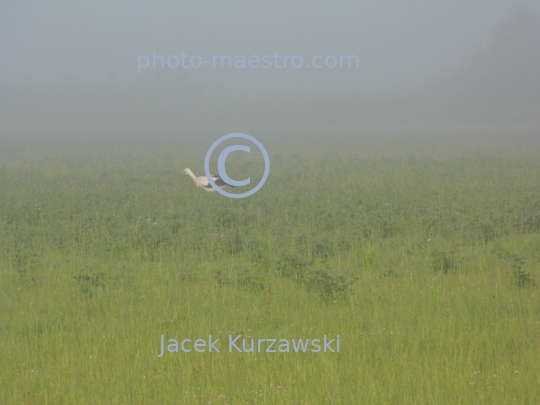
<point>190,174</point>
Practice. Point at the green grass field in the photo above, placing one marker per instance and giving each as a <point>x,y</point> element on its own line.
<point>425,265</point>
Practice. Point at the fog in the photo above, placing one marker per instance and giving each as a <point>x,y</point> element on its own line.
<point>84,70</point>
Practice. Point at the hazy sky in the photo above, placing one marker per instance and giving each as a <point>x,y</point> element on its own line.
<point>398,43</point>
<point>401,46</point>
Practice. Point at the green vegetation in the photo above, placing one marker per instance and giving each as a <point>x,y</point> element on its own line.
<point>426,266</point>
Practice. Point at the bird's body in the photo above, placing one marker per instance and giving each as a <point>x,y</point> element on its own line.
<point>203,182</point>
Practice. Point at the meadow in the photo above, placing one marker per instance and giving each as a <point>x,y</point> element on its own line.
<point>423,259</point>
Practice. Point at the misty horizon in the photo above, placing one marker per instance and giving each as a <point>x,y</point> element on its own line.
<point>460,67</point>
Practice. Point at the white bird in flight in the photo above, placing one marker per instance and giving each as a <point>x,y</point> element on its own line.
<point>202,181</point>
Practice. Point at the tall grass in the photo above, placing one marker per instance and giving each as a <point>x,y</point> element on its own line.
<point>426,267</point>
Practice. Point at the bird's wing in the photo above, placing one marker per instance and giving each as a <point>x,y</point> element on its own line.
<point>219,182</point>
<point>207,184</point>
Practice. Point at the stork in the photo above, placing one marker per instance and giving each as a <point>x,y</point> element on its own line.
<point>202,181</point>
